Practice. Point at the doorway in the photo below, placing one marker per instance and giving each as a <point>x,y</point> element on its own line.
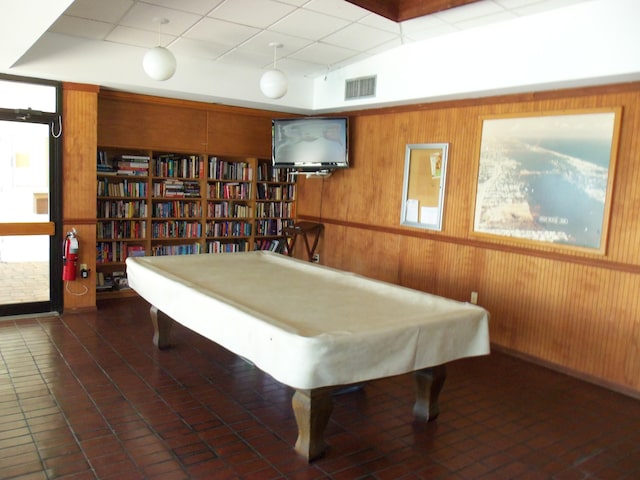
<point>30,212</point>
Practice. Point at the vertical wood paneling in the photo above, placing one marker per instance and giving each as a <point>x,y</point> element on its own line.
<point>79,186</point>
<point>130,121</point>
<point>582,316</point>
<point>232,133</point>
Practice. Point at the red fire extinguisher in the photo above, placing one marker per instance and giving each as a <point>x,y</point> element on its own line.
<point>70,256</point>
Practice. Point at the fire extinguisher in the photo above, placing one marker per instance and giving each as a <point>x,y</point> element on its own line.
<point>70,256</point>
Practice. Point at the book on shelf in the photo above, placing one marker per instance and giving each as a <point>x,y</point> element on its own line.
<point>136,251</point>
<point>135,158</point>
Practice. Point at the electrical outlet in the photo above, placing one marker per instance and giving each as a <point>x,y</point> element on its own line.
<point>474,298</point>
<point>316,258</point>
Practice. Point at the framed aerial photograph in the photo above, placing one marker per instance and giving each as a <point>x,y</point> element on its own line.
<point>547,178</point>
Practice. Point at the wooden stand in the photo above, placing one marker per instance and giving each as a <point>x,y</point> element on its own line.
<point>305,229</point>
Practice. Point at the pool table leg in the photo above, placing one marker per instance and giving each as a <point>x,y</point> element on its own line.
<point>161,327</point>
<point>312,409</point>
<point>429,382</point>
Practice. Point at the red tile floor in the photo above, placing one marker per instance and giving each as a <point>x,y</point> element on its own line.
<point>88,396</point>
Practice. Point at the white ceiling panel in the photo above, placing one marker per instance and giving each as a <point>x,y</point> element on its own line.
<point>143,16</point>
<point>261,43</point>
<point>189,47</point>
<point>254,13</point>
<point>81,27</point>
<point>138,38</point>
<point>200,7</point>
<point>359,37</point>
<point>381,23</point>
<point>111,11</point>
<point>224,33</point>
<point>338,8</point>
<point>308,24</point>
<point>323,54</point>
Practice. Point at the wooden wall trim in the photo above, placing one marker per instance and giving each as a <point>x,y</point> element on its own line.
<point>178,103</point>
<point>80,87</point>
<point>80,221</point>
<point>30,228</point>
<point>473,243</point>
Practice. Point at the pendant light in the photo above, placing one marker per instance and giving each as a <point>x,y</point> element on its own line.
<point>273,83</point>
<point>159,63</point>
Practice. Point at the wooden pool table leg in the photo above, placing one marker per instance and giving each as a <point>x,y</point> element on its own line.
<point>161,327</point>
<point>429,382</point>
<point>312,409</point>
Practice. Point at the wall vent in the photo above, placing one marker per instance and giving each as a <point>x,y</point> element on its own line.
<point>362,87</point>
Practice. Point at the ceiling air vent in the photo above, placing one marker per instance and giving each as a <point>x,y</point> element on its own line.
<point>362,87</point>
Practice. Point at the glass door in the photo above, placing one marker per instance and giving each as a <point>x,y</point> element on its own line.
<point>29,259</point>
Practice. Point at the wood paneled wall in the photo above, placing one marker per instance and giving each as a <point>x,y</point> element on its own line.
<point>79,134</point>
<point>153,123</point>
<point>578,312</point>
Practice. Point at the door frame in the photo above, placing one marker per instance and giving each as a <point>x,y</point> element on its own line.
<point>53,228</point>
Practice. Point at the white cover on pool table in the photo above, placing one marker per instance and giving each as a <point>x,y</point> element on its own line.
<point>307,325</point>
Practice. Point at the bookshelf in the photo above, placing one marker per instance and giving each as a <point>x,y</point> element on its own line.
<point>275,206</point>
<point>122,211</point>
<point>230,205</point>
<point>175,203</point>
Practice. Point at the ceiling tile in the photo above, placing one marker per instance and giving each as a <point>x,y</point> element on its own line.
<point>358,37</point>
<point>297,3</point>
<point>137,37</point>
<point>255,13</point>
<point>142,16</point>
<point>201,7</point>
<point>323,54</point>
<point>338,8</point>
<point>190,47</point>
<point>260,43</point>
<point>81,27</point>
<point>224,33</point>
<point>381,23</point>
<point>111,11</point>
<point>307,24</point>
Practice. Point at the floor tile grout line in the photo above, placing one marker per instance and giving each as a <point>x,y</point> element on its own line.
<point>22,411</point>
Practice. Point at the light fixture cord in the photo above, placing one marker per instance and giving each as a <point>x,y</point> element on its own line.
<point>275,55</point>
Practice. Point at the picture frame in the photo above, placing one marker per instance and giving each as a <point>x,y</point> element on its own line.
<point>424,183</point>
<point>546,179</point>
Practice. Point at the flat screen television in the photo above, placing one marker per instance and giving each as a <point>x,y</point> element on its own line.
<point>310,143</point>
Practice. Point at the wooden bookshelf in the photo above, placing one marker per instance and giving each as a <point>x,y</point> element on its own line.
<point>275,206</point>
<point>175,203</point>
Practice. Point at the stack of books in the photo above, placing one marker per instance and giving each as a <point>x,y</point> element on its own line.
<point>133,165</point>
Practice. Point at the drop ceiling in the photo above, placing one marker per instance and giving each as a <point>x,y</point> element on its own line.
<point>317,36</point>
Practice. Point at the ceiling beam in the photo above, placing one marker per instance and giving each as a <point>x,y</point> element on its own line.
<point>401,10</point>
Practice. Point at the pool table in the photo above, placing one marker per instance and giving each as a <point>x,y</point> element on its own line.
<point>311,327</point>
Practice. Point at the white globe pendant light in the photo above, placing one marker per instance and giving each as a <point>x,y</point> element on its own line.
<point>159,63</point>
<point>273,83</point>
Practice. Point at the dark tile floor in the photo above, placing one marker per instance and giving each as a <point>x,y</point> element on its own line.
<point>88,396</point>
